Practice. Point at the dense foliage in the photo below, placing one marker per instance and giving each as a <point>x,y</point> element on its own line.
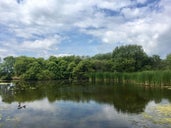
<point>129,58</point>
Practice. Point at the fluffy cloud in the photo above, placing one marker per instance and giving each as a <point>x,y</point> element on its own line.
<point>141,1</point>
<point>33,24</point>
<point>143,26</point>
<point>47,43</point>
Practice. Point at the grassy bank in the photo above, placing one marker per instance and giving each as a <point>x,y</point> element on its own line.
<point>157,78</point>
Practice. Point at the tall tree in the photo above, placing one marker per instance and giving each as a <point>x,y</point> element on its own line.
<point>155,62</point>
<point>7,67</point>
<point>32,72</point>
<point>53,68</point>
<point>106,56</point>
<point>128,58</point>
<point>82,68</point>
<point>22,64</point>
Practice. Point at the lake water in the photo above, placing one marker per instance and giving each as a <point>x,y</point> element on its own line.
<point>60,104</point>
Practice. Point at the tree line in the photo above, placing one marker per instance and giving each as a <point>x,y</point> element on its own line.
<point>127,58</point>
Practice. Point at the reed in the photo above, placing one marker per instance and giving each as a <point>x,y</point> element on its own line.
<point>156,78</point>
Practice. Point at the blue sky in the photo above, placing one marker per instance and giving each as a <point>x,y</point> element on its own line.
<point>41,28</point>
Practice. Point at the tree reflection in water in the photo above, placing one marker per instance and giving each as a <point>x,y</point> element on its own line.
<point>124,98</point>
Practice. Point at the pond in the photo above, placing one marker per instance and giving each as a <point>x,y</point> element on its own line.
<point>62,104</point>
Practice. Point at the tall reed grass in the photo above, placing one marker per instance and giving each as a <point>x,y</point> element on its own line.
<point>159,78</point>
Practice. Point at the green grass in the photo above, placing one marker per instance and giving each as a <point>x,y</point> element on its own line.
<point>156,78</point>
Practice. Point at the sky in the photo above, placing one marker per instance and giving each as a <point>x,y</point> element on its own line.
<point>43,28</point>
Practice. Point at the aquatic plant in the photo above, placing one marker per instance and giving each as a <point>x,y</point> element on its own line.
<point>161,114</point>
<point>148,78</point>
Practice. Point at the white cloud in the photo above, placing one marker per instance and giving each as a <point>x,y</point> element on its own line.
<point>111,36</point>
<point>3,53</point>
<point>47,43</point>
<point>125,22</point>
<point>3,50</point>
<point>7,50</point>
<point>144,27</point>
<point>131,13</point>
<point>42,47</point>
<point>62,55</point>
<point>141,1</point>
<point>8,11</point>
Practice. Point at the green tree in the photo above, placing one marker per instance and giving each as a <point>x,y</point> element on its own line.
<point>45,75</point>
<point>70,69</point>
<point>22,64</point>
<point>41,61</point>
<point>63,69</point>
<point>98,65</point>
<point>53,59</point>
<point>128,58</point>
<point>155,62</point>
<point>53,68</point>
<point>106,56</point>
<point>81,70</point>
<point>32,72</point>
<point>7,68</point>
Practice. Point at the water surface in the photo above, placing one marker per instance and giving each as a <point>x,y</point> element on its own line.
<point>82,105</point>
